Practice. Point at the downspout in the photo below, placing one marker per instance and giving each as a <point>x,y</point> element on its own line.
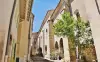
<point>10,25</point>
<point>8,32</point>
<point>97,6</point>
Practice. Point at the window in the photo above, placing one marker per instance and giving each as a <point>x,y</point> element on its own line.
<point>8,43</point>
<point>77,15</point>
<point>45,49</point>
<point>61,43</point>
<point>56,45</point>
<point>46,30</point>
<point>61,47</point>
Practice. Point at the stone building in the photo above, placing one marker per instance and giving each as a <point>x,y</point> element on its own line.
<point>60,42</point>
<point>8,29</point>
<point>46,38</point>
<point>16,22</point>
<point>43,36</point>
<point>24,30</point>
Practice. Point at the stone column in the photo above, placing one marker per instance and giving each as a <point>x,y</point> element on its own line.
<point>22,39</point>
<point>18,37</point>
<point>51,36</point>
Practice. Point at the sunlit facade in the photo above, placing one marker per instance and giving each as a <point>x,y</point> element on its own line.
<point>8,29</point>
<point>15,29</point>
<point>52,43</point>
<point>24,30</point>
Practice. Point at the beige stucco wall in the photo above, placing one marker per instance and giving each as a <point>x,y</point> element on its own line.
<point>14,27</point>
<point>78,4</point>
<point>15,21</point>
<point>23,44</point>
<point>44,39</point>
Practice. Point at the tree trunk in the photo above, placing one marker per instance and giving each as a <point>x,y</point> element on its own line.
<point>68,4</point>
<point>72,50</point>
<point>70,7</point>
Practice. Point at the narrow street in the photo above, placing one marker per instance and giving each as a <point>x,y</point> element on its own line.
<point>49,30</point>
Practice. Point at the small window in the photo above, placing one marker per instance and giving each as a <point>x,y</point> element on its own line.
<point>56,45</point>
<point>10,41</point>
<point>77,15</point>
<point>46,30</point>
<point>10,37</point>
<point>46,48</point>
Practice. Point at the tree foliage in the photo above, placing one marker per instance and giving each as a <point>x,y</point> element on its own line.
<point>65,26</point>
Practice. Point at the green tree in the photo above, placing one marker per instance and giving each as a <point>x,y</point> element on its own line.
<point>78,33</point>
<point>65,27</point>
<point>74,30</point>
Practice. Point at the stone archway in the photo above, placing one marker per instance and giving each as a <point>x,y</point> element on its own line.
<point>61,48</point>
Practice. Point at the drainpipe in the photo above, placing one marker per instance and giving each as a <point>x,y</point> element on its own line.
<point>10,24</point>
<point>97,6</point>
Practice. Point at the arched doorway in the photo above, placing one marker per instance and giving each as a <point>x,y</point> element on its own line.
<point>61,48</point>
<point>56,45</point>
<point>56,50</point>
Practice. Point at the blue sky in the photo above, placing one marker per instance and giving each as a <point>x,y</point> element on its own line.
<point>39,9</point>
